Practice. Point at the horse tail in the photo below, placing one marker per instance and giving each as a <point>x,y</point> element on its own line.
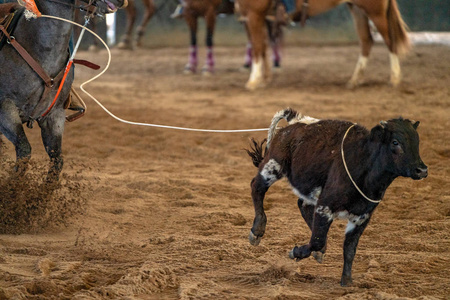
<point>397,29</point>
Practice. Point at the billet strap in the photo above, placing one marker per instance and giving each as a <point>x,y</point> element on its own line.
<point>27,57</point>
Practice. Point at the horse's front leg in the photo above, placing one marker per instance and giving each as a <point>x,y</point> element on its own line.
<point>127,40</point>
<point>366,42</point>
<point>321,224</point>
<point>12,129</point>
<point>52,128</point>
<point>210,19</point>
<point>192,22</point>
<point>149,12</point>
<point>260,68</point>
<point>352,235</point>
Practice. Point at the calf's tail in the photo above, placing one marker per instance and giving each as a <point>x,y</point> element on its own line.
<point>290,115</point>
<point>257,150</point>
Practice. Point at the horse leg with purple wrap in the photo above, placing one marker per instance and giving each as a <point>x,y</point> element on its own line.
<point>193,9</point>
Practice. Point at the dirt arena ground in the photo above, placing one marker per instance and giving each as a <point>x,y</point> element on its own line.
<point>148,213</point>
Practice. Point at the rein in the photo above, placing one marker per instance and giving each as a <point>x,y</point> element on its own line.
<point>89,7</point>
<point>348,173</point>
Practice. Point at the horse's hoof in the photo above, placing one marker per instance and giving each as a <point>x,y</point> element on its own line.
<point>188,72</point>
<point>189,69</point>
<point>251,86</point>
<point>395,82</point>
<point>351,85</point>
<point>124,46</point>
<point>206,71</point>
<point>253,239</point>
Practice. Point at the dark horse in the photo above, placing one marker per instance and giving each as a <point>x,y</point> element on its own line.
<point>383,13</point>
<point>24,96</point>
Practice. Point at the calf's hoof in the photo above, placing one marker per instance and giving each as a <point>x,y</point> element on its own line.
<point>346,281</point>
<point>299,253</point>
<point>253,239</point>
<point>318,256</point>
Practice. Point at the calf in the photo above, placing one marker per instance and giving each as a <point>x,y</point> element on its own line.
<point>337,169</point>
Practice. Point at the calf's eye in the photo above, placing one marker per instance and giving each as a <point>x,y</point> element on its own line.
<point>395,143</point>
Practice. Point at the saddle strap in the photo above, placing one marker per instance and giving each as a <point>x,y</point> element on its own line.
<point>27,57</point>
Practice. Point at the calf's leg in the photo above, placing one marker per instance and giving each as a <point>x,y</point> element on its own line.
<point>321,225</point>
<point>352,235</point>
<point>307,211</point>
<point>268,175</point>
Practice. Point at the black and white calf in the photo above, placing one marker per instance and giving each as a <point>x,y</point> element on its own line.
<point>337,169</point>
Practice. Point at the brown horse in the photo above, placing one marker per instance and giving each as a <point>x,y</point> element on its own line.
<point>207,9</point>
<point>383,13</point>
<point>193,9</point>
<point>127,39</point>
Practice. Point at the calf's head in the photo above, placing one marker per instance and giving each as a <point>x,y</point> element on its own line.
<point>400,147</point>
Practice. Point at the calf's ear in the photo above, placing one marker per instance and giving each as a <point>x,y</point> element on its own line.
<point>415,124</point>
<point>376,134</point>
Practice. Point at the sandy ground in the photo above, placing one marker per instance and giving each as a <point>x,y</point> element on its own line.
<point>148,213</point>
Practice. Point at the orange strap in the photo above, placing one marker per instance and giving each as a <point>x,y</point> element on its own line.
<point>66,71</point>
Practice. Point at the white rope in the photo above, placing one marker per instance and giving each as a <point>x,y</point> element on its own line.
<point>131,122</point>
<point>346,169</point>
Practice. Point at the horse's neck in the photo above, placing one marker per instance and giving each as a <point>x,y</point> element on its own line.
<point>46,38</point>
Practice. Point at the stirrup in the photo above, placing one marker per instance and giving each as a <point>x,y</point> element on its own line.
<point>78,105</point>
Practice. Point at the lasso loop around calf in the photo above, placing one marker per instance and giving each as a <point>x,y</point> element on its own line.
<point>131,122</point>
<point>348,172</point>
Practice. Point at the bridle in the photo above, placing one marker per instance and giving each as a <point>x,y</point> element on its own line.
<point>90,8</point>
<point>348,172</point>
